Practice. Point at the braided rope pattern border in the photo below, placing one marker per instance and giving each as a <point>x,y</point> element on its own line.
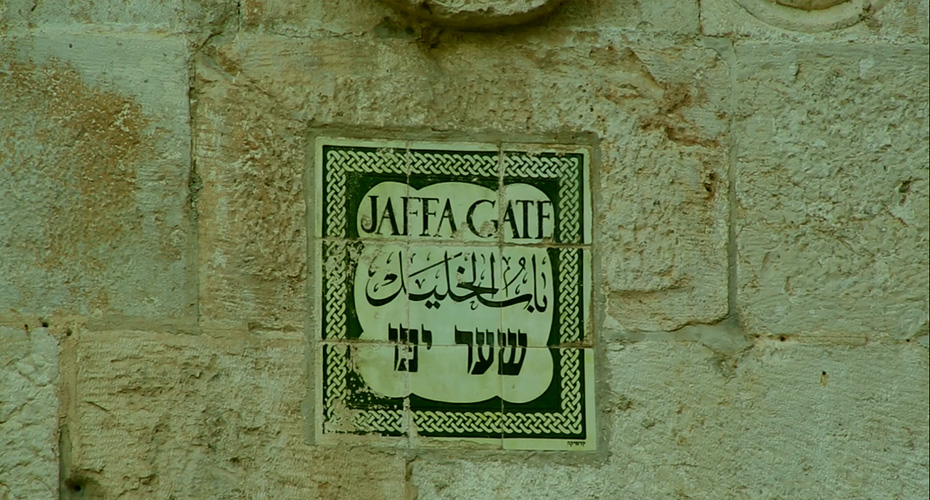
<point>430,421</point>
<point>570,310</point>
<point>439,162</point>
<point>340,161</point>
<point>563,168</point>
<point>567,421</point>
<point>384,421</point>
<point>335,290</point>
<point>334,388</point>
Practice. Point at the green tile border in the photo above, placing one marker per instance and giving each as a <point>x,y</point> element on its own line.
<point>564,411</point>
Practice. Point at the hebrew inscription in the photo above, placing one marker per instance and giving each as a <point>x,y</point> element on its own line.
<point>454,293</point>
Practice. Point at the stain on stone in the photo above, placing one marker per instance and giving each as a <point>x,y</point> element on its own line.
<point>271,188</point>
<point>620,402</point>
<point>83,145</point>
<point>390,28</point>
<point>669,117</point>
<point>254,203</point>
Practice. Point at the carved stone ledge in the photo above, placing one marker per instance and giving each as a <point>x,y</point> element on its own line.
<point>811,16</point>
<point>476,14</point>
<point>810,4</point>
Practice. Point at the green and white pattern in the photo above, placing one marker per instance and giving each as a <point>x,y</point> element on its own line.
<point>350,402</point>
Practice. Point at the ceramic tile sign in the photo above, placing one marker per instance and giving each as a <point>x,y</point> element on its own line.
<point>453,294</point>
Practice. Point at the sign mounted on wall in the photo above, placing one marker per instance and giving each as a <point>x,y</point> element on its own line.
<point>453,293</point>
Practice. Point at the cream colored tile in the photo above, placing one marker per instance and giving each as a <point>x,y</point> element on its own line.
<point>455,290</point>
<point>550,404</point>
<point>548,188</point>
<point>455,398</point>
<point>361,393</point>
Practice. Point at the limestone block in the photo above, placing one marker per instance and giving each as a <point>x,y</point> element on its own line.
<point>877,20</point>
<point>159,416</point>
<point>662,214</point>
<point>252,213</point>
<point>202,19</point>
<point>162,15</point>
<point>668,16</point>
<point>658,108</point>
<point>28,414</point>
<point>198,19</point>
<point>904,19</point>
<point>781,420</point>
<point>832,189</point>
<point>94,167</point>
<point>323,17</point>
<point>317,16</point>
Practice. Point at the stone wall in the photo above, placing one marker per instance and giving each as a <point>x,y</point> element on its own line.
<point>760,241</point>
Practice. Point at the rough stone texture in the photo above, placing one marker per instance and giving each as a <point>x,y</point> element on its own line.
<point>661,225</point>
<point>657,107</point>
<point>315,17</point>
<point>904,19</point>
<point>114,230</point>
<point>810,4</point>
<point>477,15</point>
<point>160,416</point>
<point>162,15</point>
<point>328,17</point>
<point>782,420</point>
<point>680,17</point>
<point>198,18</point>
<point>94,165</point>
<point>880,20</point>
<point>833,189</point>
<point>28,414</point>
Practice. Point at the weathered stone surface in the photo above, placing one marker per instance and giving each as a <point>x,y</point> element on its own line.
<point>680,17</point>
<point>832,190</point>
<point>162,15</point>
<point>810,4</point>
<point>28,414</point>
<point>477,15</point>
<point>197,19</point>
<point>658,108</point>
<point>782,420</point>
<point>904,19</point>
<point>661,225</point>
<point>252,213</point>
<point>374,17</point>
<point>819,117</point>
<point>882,20</point>
<point>159,416</point>
<point>318,16</point>
<point>94,164</point>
